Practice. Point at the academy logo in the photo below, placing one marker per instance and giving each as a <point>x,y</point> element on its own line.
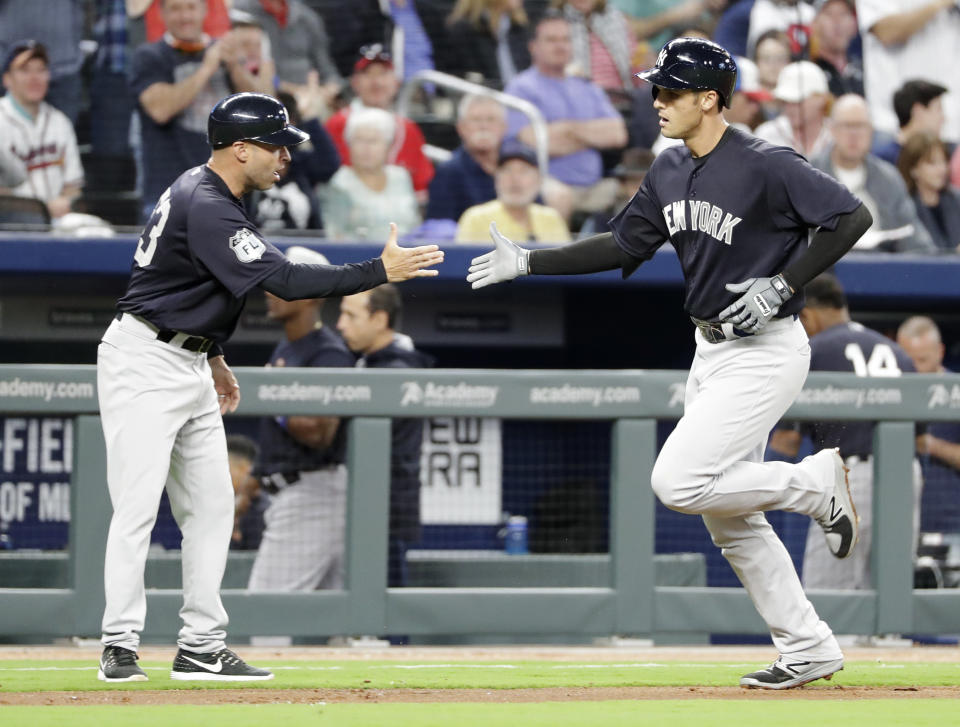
<point>944,397</point>
<point>461,394</point>
<point>412,393</point>
<point>247,246</point>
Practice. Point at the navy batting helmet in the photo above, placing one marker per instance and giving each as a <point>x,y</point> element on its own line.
<point>253,116</point>
<point>696,64</point>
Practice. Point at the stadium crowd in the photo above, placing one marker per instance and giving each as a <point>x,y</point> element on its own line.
<point>106,103</point>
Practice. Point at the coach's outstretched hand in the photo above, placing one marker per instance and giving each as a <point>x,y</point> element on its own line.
<point>403,263</point>
<point>761,299</point>
<point>506,261</point>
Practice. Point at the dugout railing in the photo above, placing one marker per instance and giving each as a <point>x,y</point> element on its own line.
<point>631,605</point>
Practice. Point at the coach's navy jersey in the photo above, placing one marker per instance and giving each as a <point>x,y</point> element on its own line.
<point>406,441</point>
<point>197,258</point>
<point>279,452</point>
<point>742,211</point>
<point>854,348</point>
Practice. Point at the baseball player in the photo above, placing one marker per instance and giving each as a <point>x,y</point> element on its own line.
<point>840,344</point>
<point>738,211</point>
<point>368,322</point>
<point>302,461</point>
<point>164,385</point>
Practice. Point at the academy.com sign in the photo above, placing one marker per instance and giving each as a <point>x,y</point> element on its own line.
<point>455,395</point>
<point>314,392</point>
<point>46,390</point>
<point>590,395</point>
<point>850,397</point>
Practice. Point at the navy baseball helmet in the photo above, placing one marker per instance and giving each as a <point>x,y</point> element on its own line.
<point>253,116</point>
<point>695,64</point>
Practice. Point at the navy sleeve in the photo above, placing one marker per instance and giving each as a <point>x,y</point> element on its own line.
<point>802,196</point>
<point>639,228</point>
<point>323,160</point>
<point>148,67</point>
<point>445,200</point>
<point>228,244</point>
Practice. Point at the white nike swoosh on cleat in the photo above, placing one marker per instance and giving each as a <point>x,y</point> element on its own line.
<point>215,668</point>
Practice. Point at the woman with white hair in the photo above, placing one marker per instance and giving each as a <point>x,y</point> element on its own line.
<point>361,200</point>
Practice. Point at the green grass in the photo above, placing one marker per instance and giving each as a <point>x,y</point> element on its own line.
<point>18,676</point>
<point>692,713</point>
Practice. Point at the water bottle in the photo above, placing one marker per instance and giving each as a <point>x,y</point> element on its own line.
<point>515,541</point>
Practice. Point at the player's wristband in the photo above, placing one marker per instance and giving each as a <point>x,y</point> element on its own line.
<point>780,285</point>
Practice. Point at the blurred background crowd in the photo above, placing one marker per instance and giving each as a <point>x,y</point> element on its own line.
<point>442,115</point>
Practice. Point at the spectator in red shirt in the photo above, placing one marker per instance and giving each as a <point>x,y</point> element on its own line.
<point>375,84</point>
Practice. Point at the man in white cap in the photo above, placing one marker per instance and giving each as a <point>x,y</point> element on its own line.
<point>302,460</point>
<point>802,125</point>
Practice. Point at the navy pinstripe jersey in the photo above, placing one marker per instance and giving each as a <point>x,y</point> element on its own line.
<point>742,211</point>
<point>279,451</point>
<point>198,257</point>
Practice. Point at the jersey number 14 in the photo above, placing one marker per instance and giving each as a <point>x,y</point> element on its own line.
<point>147,244</point>
<point>882,361</point>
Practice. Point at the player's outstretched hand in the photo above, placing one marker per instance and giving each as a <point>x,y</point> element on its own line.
<point>761,299</point>
<point>403,263</point>
<point>506,261</point>
<point>228,390</point>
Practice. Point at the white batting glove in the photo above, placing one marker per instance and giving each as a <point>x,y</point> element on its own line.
<point>506,261</point>
<point>761,299</point>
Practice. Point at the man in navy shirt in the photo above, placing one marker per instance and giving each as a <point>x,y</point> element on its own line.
<point>176,81</point>
<point>739,212</point>
<point>368,322</point>
<point>164,385</point>
<point>466,179</point>
<point>939,445</point>
<point>302,461</point>
<point>840,344</point>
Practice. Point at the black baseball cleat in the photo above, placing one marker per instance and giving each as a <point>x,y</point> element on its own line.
<point>120,665</point>
<point>218,666</point>
<point>840,523</point>
<point>789,673</point>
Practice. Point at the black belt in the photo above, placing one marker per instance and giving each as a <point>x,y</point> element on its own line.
<point>276,481</point>
<point>196,344</point>
<point>714,333</point>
